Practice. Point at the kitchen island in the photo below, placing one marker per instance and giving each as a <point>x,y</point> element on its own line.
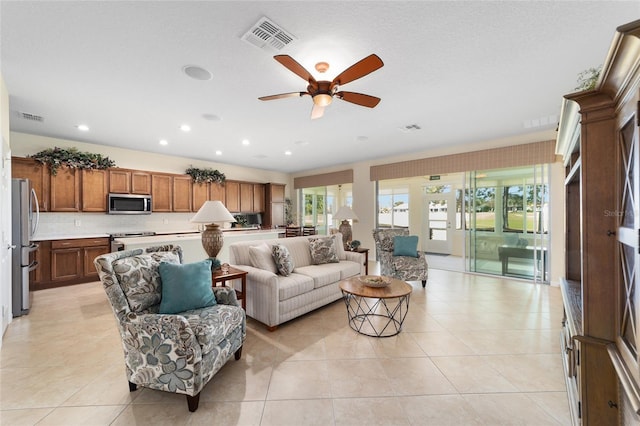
<point>191,243</point>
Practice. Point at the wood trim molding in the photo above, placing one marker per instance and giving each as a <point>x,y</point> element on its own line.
<point>324,179</point>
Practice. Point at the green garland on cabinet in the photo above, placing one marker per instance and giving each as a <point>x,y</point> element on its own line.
<point>205,175</point>
<point>72,158</point>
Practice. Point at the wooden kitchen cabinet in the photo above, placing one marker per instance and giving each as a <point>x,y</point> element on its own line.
<point>199,194</point>
<point>258,197</point>
<point>37,173</point>
<point>65,190</point>
<point>66,262</point>
<point>246,197</point>
<point>126,181</point>
<point>95,187</point>
<point>217,191</point>
<point>274,208</point>
<point>181,193</point>
<point>232,196</point>
<point>161,193</point>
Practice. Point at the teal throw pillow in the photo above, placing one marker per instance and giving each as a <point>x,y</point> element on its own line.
<point>405,245</point>
<point>185,286</point>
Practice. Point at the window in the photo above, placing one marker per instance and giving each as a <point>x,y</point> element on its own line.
<point>393,208</point>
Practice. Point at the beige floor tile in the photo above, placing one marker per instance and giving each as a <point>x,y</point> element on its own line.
<point>439,410</point>
<point>246,413</point>
<point>509,409</point>
<point>24,417</point>
<point>369,412</point>
<point>154,414</point>
<point>401,345</point>
<point>347,344</point>
<point>295,413</point>
<point>555,404</point>
<point>472,374</point>
<point>300,380</point>
<point>82,416</point>
<point>531,373</point>
<point>239,381</point>
<point>416,376</point>
<point>110,388</point>
<point>441,343</point>
<point>300,347</point>
<point>491,342</point>
<point>358,378</point>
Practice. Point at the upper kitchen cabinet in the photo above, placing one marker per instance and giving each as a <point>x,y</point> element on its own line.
<point>161,193</point>
<point>258,197</point>
<point>232,193</point>
<point>246,197</point>
<point>65,190</point>
<point>37,173</point>
<point>181,193</point>
<point>218,192</point>
<point>124,181</point>
<point>95,186</point>
<point>199,194</point>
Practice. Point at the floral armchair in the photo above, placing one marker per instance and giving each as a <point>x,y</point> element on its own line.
<point>169,352</point>
<point>406,268</point>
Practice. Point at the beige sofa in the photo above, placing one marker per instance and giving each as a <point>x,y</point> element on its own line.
<point>273,298</point>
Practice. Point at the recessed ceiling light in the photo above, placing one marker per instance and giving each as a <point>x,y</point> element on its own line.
<point>163,142</point>
<point>218,152</point>
<point>185,128</point>
<point>245,142</point>
<point>83,127</point>
<point>287,152</point>
<point>211,117</point>
<point>197,72</point>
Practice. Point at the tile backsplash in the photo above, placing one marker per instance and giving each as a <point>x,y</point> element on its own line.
<point>101,223</point>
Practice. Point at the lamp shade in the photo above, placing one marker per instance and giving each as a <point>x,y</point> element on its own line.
<point>345,213</point>
<point>213,212</point>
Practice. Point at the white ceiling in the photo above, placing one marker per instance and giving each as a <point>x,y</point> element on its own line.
<point>465,72</point>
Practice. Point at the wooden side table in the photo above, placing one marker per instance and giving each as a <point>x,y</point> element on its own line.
<point>366,258</point>
<point>234,274</point>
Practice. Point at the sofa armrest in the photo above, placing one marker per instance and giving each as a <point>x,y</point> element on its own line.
<point>356,257</point>
<point>263,303</point>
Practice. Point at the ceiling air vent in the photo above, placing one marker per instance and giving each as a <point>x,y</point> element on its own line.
<point>267,35</point>
<point>409,128</point>
<point>30,117</point>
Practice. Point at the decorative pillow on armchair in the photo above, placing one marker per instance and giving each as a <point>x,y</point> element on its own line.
<point>283,259</point>
<point>405,245</point>
<point>186,287</point>
<point>323,250</point>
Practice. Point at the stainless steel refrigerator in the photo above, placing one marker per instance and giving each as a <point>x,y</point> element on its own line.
<point>25,214</point>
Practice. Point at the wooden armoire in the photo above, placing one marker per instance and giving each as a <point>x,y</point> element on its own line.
<point>598,138</point>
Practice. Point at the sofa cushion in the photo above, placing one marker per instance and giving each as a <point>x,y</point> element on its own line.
<point>213,324</point>
<point>262,258</point>
<point>342,255</point>
<point>139,278</point>
<point>321,274</point>
<point>294,285</point>
<point>323,250</point>
<point>186,287</point>
<point>405,245</point>
<point>283,259</point>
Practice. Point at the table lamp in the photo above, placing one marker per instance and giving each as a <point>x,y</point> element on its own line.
<point>212,213</point>
<point>345,213</point>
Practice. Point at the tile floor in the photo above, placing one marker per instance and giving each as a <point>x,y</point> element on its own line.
<point>475,350</point>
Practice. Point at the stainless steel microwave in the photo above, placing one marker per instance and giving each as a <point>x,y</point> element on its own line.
<point>129,204</point>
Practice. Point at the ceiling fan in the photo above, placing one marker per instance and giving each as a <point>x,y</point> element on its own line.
<point>322,92</point>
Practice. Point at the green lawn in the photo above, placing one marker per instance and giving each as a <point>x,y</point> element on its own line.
<point>486,220</point>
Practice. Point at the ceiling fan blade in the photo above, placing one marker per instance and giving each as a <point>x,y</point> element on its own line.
<point>359,69</point>
<point>295,68</point>
<point>282,96</point>
<point>359,99</point>
<point>317,111</point>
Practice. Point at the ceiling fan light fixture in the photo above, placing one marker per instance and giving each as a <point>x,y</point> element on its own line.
<point>322,99</point>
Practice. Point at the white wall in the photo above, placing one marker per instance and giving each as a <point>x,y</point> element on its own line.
<point>5,211</point>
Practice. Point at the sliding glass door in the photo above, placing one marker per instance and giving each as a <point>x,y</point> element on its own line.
<point>508,222</point>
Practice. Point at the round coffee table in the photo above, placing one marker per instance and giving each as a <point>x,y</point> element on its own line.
<point>376,311</point>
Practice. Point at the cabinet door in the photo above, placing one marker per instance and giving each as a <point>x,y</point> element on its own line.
<point>90,253</point>
<point>65,190</point>
<point>277,193</point>
<point>232,192</point>
<point>161,193</point>
<point>94,190</point>
<point>120,181</point>
<point>246,197</point>
<point>217,192</point>
<point>140,182</point>
<point>277,215</point>
<point>258,198</point>
<point>38,175</point>
<point>181,193</point>
<point>66,264</point>
<point>199,194</point>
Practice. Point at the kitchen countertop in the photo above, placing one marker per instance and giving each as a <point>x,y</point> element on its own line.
<point>186,233</point>
<point>50,237</point>
<point>189,236</point>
